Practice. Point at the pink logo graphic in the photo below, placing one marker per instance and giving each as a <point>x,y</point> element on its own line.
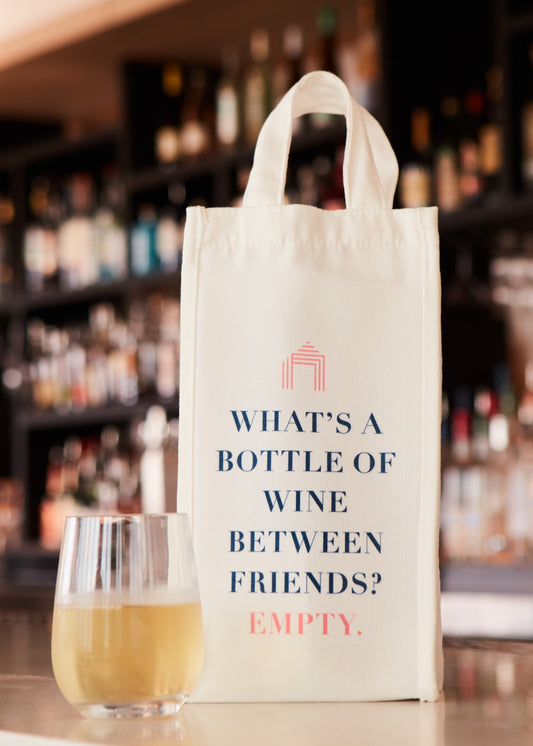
<point>306,355</point>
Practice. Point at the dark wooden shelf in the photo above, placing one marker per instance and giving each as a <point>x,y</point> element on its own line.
<point>111,413</point>
<point>502,212</point>
<point>27,302</point>
<point>57,147</point>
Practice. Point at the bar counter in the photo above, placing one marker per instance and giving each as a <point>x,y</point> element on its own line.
<point>487,700</point>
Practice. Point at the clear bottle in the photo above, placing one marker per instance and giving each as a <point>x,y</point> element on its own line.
<point>327,56</point>
<point>447,182</point>
<point>454,527</point>
<point>196,130</point>
<point>168,240</point>
<point>526,130</point>
<point>470,181</point>
<point>289,68</point>
<point>257,86</point>
<point>144,257</point>
<point>366,84</point>
<point>167,141</point>
<point>495,538</point>
<point>7,213</point>
<point>416,174</point>
<point>78,260</point>
<point>228,101</point>
<point>111,240</point>
<point>40,243</point>
<point>491,134</point>
<point>154,433</point>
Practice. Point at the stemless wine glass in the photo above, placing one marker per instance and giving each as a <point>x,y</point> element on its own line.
<point>127,638</point>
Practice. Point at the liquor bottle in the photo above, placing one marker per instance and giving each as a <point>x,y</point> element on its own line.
<point>327,56</point>
<point>470,182</point>
<point>111,240</point>
<point>289,68</point>
<point>525,405</point>
<point>7,212</point>
<point>167,143</point>
<point>491,134</point>
<point>196,129</point>
<point>154,431</point>
<point>78,263</point>
<point>169,238</point>
<point>144,258</point>
<point>495,531</point>
<point>526,130</point>
<point>447,189</point>
<point>415,176</point>
<point>364,81</point>
<point>257,86</point>
<point>228,101</point>
<point>527,145</point>
<point>40,249</point>
<point>111,245</point>
<point>453,528</point>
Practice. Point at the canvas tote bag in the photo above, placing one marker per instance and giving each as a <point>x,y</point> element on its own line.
<point>310,413</point>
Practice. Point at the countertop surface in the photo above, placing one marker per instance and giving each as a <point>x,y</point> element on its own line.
<point>488,700</point>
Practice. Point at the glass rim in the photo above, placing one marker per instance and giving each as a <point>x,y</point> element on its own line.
<point>123,517</point>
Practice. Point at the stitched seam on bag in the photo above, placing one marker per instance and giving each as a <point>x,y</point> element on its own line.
<point>245,243</point>
<point>422,570</point>
<point>202,225</point>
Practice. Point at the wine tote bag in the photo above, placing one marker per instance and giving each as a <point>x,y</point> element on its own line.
<point>310,427</point>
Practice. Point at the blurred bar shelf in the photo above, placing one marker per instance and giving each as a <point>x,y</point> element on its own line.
<point>110,413</point>
<point>509,210</point>
<point>130,286</point>
<point>58,147</point>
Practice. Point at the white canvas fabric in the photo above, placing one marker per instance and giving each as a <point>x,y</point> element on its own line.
<point>310,428</point>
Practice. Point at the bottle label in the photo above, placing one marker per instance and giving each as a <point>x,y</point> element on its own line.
<point>227,116</point>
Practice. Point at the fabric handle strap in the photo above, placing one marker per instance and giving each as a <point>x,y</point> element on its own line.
<point>370,169</point>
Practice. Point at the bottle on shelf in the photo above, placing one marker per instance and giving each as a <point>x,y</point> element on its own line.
<point>196,131</point>
<point>144,257</point>
<point>416,174</point>
<point>359,59</point>
<point>327,55</point>
<point>289,68</point>
<point>167,141</point>
<point>257,86</point>
<point>169,239</point>
<point>527,145</point>
<point>470,182</point>
<point>491,134</point>
<point>154,433</point>
<point>229,101</point>
<point>447,185</point>
<point>526,132</point>
<point>40,243</point>
<point>110,235</point>
<point>78,261</point>
<point>7,213</point>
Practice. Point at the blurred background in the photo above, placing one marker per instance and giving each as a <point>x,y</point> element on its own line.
<point>115,115</point>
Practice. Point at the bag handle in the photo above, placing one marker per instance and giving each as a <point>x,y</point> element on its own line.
<point>370,169</point>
